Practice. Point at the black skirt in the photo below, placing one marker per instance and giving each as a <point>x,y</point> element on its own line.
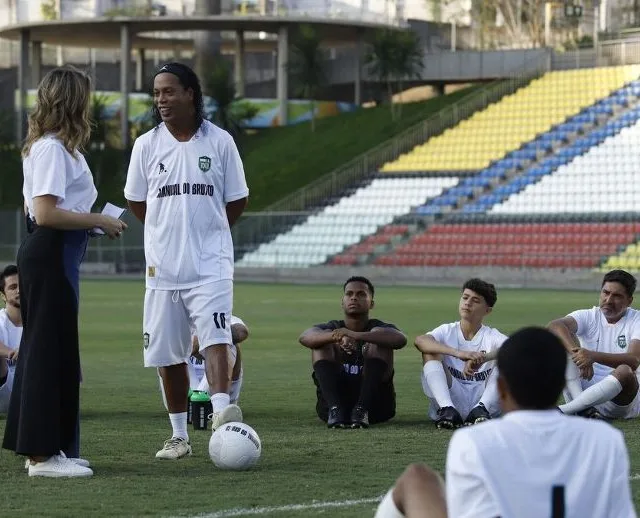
<point>44,407</point>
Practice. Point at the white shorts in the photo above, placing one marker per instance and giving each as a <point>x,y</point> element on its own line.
<point>610,409</point>
<point>170,316</point>
<point>5,392</point>
<point>464,397</point>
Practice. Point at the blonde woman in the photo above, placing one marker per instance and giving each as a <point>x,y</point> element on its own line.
<point>42,422</point>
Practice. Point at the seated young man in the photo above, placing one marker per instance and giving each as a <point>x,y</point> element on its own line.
<point>197,378</point>
<point>458,374</point>
<point>10,332</point>
<point>532,462</point>
<point>353,362</point>
<point>604,348</point>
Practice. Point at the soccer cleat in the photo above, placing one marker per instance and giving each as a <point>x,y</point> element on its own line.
<point>80,462</point>
<point>359,417</point>
<point>174,448</point>
<point>335,418</point>
<point>478,415</point>
<point>591,413</point>
<point>58,466</point>
<point>229,414</point>
<point>448,418</point>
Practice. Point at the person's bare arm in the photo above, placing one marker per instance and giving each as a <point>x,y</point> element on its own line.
<point>427,344</point>
<point>47,214</point>
<point>235,209</point>
<point>585,357</point>
<point>383,336</point>
<point>314,338</point>
<point>565,328</point>
<point>139,209</point>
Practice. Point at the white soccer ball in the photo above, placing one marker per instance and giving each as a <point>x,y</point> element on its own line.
<point>235,446</point>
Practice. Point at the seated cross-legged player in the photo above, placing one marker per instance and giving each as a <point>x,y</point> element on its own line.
<point>353,362</point>
<point>458,374</point>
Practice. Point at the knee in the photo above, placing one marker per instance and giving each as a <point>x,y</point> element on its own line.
<point>431,357</point>
<point>375,351</point>
<point>326,352</point>
<point>624,374</point>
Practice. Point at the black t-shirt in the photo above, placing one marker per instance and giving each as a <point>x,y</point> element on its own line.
<point>353,363</point>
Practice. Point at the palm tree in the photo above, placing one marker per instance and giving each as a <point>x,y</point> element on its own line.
<point>307,66</point>
<point>231,111</point>
<point>393,57</point>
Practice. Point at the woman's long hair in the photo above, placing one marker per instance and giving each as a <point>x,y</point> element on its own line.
<point>62,108</point>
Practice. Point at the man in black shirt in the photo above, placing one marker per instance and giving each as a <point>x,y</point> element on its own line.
<point>353,362</point>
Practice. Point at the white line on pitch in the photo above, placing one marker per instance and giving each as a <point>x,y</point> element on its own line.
<point>229,513</point>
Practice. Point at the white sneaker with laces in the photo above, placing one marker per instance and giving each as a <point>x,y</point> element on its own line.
<point>57,466</point>
<point>80,462</point>
<point>174,448</point>
<point>229,414</point>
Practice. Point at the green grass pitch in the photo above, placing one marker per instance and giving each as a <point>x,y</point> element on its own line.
<point>124,422</point>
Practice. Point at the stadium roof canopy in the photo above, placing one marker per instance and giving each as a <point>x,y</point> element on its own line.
<point>129,33</point>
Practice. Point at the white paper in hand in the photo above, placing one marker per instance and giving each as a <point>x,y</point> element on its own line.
<point>109,210</point>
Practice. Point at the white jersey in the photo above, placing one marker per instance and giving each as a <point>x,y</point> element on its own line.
<point>198,365</point>
<point>487,339</point>
<point>596,334</point>
<point>50,169</point>
<point>527,463</point>
<point>186,185</point>
<point>10,334</point>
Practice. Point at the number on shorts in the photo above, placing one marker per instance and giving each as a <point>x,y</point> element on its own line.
<point>222,323</point>
<point>557,502</point>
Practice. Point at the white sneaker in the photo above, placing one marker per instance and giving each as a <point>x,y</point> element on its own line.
<point>174,448</point>
<point>58,467</point>
<point>80,462</point>
<point>229,414</point>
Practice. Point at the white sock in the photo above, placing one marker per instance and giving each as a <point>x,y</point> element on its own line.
<point>234,391</point>
<point>603,391</point>
<point>490,398</point>
<point>388,508</point>
<point>435,380</point>
<point>572,377</point>
<point>219,402</point>
<point>179,425</point>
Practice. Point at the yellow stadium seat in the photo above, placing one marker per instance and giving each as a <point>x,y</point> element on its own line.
<point>514,120</point>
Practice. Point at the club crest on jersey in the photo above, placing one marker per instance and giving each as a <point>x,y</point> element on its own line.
<point>145,340</point>
<point>204,163</point>
<point>622,341</point>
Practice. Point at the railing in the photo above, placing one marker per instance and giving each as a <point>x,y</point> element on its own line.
<point>608,53</point>
<point>362,166</point>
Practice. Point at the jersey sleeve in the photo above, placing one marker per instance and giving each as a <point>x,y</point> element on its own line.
<point>635,328</point>
<point>235,184</point>
<point>584,319</point>
<point>49,170</point>
<point>467,494</point>
<point>621,503</point>
<point>439,334</point>
<point>137,186</point>
<point>497,340</point>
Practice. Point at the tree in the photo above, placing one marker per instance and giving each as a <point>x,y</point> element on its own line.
<point>307,66</point>
<point>48,10</point>
<point>230,111</point>
<point>394,57</point>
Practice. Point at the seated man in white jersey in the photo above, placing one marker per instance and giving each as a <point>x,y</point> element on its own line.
<point>604,345</point>
<point>198,379</point>
<point>10,332</point>
<point>186,183</point>
<point>533,462</point>
<point>458,374</point>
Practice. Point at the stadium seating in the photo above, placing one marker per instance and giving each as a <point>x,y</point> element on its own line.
<point>604,179</point>
<point>346,222</point>
<point>537,245</point>
<point>515,120</point>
